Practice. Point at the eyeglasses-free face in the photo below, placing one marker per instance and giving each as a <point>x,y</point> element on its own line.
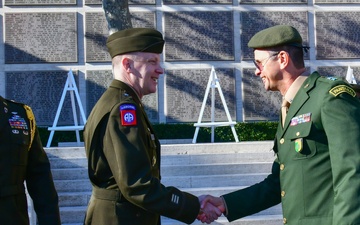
<point>260,64</point>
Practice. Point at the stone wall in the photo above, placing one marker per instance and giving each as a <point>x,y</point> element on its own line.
<point>41,40</point>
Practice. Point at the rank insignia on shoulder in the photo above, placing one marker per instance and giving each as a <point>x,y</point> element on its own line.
<point>128,115</point>
<point>342,89</point>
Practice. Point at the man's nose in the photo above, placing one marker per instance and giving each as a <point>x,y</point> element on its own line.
<point>257,72</point>
<point>160,70</point>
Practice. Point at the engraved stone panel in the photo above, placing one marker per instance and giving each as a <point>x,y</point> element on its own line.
<point>98,81</point>
<point>253,22</point>
<point>273,1</point>
<point>39,2</point>
<point>97,33</point>
<point>199,36</point>
<point>151,107</point>
<point>40,37</point>
<point>196,2</point>
<point>339,71</point>
<point>42,91</point>
<point>185,90</point>
<point>337,35</point>
<point>131,2</point>
<point>258,103</point>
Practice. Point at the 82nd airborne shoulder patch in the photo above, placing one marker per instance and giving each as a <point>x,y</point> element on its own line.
<point>128,115</point>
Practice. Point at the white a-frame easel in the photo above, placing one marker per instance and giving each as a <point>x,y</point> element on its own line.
<point>70,86</point>
<point>350,76</point>
<point>214,83</point>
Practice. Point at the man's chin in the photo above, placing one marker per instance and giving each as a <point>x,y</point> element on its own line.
<point>267,88</point>
<point>152,91</point>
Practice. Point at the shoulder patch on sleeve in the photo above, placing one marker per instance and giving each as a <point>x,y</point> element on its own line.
<point>128,114</point>
<point>342,89</point>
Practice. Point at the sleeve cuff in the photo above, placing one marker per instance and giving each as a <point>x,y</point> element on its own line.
<point>226,208</point>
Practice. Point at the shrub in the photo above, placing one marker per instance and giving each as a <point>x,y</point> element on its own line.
<point>246,131</point>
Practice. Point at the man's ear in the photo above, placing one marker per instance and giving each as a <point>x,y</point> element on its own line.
<point>284,58</point>
<point>126,63</point>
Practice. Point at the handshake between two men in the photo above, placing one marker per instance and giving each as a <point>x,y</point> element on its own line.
<point>211,208</point>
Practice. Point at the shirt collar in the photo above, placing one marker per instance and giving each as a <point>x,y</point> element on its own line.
<point>295,86</point>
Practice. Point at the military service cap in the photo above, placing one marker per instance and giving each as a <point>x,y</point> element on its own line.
<point>276,36</point>
<point>135,40</point>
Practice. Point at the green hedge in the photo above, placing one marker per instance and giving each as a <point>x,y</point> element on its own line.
<point>254,131</point>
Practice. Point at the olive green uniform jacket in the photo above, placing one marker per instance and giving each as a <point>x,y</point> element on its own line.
<point>124,165</point>
<point>24,159</point>
<point>316,175</point>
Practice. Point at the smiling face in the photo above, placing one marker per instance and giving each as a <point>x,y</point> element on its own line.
<point>145,71</point>
<point>267,69</point>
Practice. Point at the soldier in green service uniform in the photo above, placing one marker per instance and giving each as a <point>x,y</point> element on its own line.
<point>316,175</point>
<point>24,159</point>
<point>123,150</point>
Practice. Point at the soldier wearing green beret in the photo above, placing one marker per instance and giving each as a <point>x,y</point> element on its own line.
<point>316,174</point>
<point>23,159</point>
<point>123,150</point>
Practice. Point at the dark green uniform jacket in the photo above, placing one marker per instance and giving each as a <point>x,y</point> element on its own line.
<point>316,175</point>
<point>124,165</point>
<point>24,159</point>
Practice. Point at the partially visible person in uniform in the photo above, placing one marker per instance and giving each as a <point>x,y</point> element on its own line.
<point>24,159</point>
<point>316,175</point>
<point>356,87</point>
<point>122,149</point>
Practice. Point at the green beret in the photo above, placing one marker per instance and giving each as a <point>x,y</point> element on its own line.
<point>276,36</point>
<point>135,40</point>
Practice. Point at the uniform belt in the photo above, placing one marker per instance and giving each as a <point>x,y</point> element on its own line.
<point>16,189</point>
<point>107,194</point>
